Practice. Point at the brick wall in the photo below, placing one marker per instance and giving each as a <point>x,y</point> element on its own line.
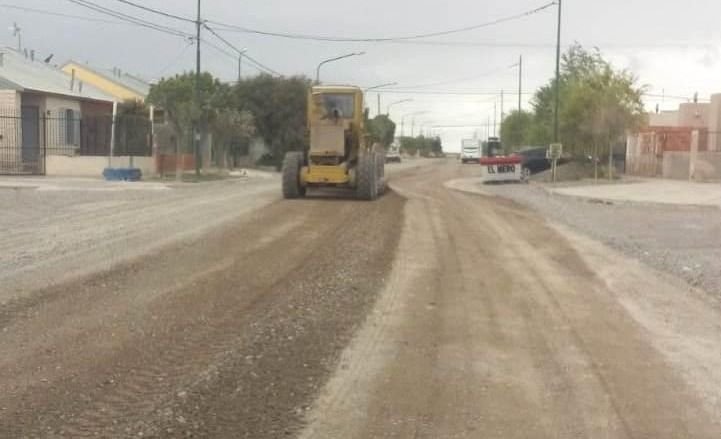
<point>662,139</point>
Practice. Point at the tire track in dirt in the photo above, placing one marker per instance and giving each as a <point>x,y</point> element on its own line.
<point>178,350</point>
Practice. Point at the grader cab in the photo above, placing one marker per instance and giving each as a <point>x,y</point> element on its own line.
<point>340,153</point>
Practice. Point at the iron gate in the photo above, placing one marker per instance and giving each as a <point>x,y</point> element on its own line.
<point>22,142</point>
<point>28,138</point>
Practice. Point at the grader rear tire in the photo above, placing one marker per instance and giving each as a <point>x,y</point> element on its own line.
<point>292,164</point>
<point>367,188</point>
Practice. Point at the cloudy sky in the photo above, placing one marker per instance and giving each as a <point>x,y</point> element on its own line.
<point>673,47</point>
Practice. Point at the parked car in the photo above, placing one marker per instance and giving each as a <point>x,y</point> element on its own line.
<point>534,160</point>
<point>393,155</point>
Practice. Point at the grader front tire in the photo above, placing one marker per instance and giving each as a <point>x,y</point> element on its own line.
<point>292,165</point>
<point>367,188</point>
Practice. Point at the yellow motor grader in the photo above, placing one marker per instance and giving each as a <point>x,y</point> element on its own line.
<point>341,153</point>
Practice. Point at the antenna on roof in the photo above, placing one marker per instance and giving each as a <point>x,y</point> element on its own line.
<point>49,58</point>
<point>17,32</point>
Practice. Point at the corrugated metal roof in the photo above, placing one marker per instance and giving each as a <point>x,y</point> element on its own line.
<point>126,80</point>
<point>20,73</point>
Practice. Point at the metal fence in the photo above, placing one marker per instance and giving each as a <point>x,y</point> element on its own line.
<point>26,139</point>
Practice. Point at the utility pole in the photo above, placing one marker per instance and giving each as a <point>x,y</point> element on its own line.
<point>520,82</point>
<point>556,107</point>
<point>240,67</point>
<point>17,32</point>
<point>495,114</point>
<point>413,126</point>
<point>500,130</point>
<point>379,103</point>
<point>198,104</point>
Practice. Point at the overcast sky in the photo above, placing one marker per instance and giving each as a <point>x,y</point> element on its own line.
<point>673,47</point>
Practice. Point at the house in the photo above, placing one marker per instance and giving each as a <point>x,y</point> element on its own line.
<point>680,144</point>
<point>54,123</point>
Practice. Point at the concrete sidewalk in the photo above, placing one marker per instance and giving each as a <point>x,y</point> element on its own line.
<point>650,191</point>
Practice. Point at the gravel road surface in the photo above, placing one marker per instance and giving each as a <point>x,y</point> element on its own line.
<point>682,240</point>
<point>57,229</point>
<point>430,313</point>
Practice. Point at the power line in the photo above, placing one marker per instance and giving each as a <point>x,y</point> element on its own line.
<point>228,54</point>
<point>156,11</point>
<point>449,92</point>
<point>128,18</point>
<point>454,81</point>
<point>56,14</point>
<point>240,52</point>
<point>176,59</point>
<point>383,39</point>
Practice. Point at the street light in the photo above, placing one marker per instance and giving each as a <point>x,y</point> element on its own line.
<point>388,108</point>
<point>387,84</point>
<point>317,71</point>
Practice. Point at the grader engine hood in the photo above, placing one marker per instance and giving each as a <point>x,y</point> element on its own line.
<point>327,140</point>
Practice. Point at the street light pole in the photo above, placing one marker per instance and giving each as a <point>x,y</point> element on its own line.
<point>556,107</point>
<point>322,63</point>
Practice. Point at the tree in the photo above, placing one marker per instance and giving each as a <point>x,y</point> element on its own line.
<point>516,130</point>
<point>176,97</point>
<point>279,106</point>
<point>597,104</point>
<point>231,130</point>
<point>424,146</point>
<point>381,129</point>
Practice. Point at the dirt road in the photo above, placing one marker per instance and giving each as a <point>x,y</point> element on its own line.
<point>430,313</point>
<point>496,325</point>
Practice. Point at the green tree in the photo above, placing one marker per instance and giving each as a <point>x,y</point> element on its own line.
<point>381,129</point>
<point>231,130</point>
<point>279,106</point>
<point>423,146</point>
<point>176,97</point>
<point>516,130</point>
<point>597,103</point>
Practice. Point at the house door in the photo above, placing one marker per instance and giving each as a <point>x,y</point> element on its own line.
<point>32,159</point>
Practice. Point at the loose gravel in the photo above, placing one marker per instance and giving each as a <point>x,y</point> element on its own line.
<point>681,240</point>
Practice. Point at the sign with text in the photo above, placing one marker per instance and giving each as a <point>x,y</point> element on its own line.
<point>555,151</point>
<point>501,169</point>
